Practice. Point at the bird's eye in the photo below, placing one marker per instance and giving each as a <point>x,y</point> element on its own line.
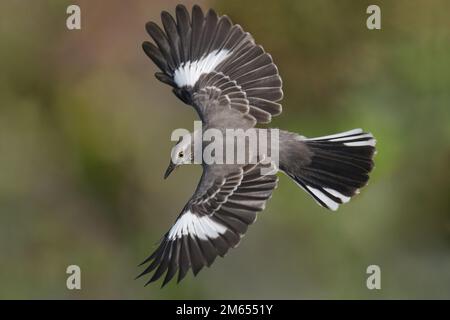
<point>181,154</point>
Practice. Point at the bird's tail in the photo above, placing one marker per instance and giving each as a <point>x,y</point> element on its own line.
<point>332,168</point>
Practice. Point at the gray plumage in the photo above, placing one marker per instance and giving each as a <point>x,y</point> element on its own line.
<point>217,68</point>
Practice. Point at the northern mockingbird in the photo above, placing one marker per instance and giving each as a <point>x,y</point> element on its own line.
<point>217,68</point>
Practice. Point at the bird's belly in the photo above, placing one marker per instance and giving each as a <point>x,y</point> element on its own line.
<point>239,146</point>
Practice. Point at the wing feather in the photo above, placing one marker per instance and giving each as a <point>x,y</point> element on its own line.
<point>170,28</point>
<point>184,30</point>
<point>213,221</point>
<point>192,47</point>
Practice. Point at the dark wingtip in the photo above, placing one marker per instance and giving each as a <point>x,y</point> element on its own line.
<point>164,14</point>
<point>211,12</point>
<point>142,263</point>
<point>147,283</point>
<point>195,271</point>
<point>196,9</point>
<point>140,275</point>
<point>153,279</point>
<point>146,46</point>
<point>148,259</point>
<point>167,18</point>
<point>181,7</point>
<point>181,276</point>
<point>166,281</point>
<point>146,271</point>
<point>151,27</point>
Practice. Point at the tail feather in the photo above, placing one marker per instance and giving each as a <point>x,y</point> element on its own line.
<point>339,166</point>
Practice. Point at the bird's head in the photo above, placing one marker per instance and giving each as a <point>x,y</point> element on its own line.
<point>181,154</point>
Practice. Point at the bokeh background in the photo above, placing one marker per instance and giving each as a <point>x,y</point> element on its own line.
<point>85,138</point>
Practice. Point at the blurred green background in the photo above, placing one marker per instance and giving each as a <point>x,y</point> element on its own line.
<point>85,138</point>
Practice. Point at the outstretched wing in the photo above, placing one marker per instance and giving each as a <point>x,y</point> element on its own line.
<point>214,220</point>
<point>190,48</point>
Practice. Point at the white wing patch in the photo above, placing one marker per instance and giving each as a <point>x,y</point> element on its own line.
<point>189,72</point>
<point>201,226</point>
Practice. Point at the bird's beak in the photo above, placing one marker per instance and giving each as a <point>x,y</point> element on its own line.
<point>169,169</point>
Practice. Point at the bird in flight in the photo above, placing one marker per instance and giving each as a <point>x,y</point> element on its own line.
<point>217,68</point>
